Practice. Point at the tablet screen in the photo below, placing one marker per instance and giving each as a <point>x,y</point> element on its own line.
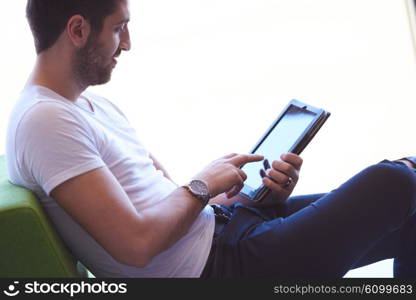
<point>281,139</point>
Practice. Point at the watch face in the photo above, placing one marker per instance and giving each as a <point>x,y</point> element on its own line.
<point>199,187</point>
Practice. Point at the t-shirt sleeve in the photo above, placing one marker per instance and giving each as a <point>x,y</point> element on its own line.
<point>54,144</point>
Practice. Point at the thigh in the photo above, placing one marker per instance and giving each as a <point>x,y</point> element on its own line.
<point>296,203</point>
<point>400,245</point>
<point>331,234</point>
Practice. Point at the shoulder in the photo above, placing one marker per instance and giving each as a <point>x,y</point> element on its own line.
<point>38,105</point>
<point>52,123</point>
<point>50,115</point>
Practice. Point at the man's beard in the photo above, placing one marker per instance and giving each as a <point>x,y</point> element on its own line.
<point>90,66</point>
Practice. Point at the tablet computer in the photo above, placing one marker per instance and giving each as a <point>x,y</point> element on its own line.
<point>293,129</point>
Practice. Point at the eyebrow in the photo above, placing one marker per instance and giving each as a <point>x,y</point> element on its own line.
<point>123,21</point>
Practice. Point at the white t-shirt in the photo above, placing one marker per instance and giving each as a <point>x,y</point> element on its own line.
<point>51,139</point>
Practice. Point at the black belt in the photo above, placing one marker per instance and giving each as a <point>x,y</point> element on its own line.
<point>222,217</point>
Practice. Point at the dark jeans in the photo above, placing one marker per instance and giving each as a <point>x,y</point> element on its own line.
<point>369,218</point>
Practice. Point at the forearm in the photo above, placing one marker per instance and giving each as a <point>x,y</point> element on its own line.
<point>161,225</point>
<point>166,222</point>
<point>172,218</point>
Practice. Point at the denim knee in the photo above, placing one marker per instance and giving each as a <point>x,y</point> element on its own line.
<point>396,185</point>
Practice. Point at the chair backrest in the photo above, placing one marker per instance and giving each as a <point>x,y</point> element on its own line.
<point>29,245</point>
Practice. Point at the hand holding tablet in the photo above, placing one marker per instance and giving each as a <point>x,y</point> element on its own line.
<point>291,132</point>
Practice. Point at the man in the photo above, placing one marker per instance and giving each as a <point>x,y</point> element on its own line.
<point>122,216</point>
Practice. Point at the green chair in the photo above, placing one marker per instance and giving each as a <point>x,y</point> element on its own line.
<point>29,245</point>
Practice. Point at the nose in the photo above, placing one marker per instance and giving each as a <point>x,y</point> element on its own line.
<point>125,43</point>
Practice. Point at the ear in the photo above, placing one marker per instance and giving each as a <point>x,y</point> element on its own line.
<point>78,30</point>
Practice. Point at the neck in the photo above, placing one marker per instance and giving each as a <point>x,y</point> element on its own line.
<point>55,72</point>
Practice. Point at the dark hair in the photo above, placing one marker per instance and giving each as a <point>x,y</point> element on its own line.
<point>48,18</point>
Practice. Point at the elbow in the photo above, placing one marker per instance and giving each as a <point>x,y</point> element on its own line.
<point>134,262</point>
<point>136,249</point>
<point>138,258</point>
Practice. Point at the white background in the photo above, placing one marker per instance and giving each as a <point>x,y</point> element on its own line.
<point>206,78</point>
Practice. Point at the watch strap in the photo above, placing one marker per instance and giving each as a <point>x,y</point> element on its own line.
<point>203,196</point>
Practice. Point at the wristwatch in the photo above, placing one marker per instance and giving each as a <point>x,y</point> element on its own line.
<point>199,189</point>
